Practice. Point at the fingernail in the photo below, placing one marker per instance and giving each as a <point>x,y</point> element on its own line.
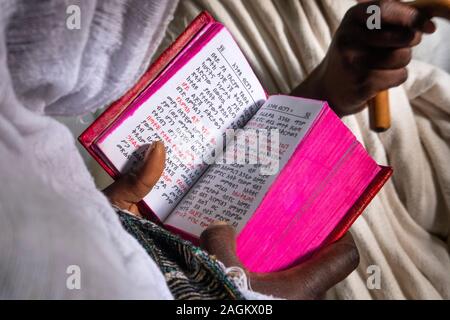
<point>150,148</point>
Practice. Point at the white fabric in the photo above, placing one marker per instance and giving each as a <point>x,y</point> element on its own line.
<point>51,214</point>
<point>405,230</point>
<point>435,48</point>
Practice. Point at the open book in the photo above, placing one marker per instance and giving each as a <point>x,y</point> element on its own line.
<point>284,171</point>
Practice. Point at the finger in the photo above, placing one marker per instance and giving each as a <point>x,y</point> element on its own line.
<point>388,37</point>
<point>384,59</point>
<point>393,13</point>
<point>219,239</point>
<point>329,266</point>
<point>133,187</point>
<point>379,80</point>
<point>434,8</point>
<point>323,270</point>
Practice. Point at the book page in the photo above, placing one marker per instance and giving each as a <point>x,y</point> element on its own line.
<point>191,107</point>
<point>232,190</point>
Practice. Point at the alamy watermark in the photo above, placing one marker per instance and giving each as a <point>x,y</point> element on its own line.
<point>246,147</point>
<point>259,148</point>
<point>373,281</point>
<point>73,281</point>
<point>73,19</point>
<point>374,20</point>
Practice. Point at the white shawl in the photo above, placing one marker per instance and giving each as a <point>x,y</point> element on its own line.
<point>52,217</point>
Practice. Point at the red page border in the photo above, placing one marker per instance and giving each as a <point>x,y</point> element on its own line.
<point>360,205</point>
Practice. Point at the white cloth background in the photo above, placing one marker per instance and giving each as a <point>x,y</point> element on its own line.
<point>405,230</point>
<point>435,48</point>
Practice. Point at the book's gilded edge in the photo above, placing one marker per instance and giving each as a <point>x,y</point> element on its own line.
<point>361,204</point>
<point>88,138</point>
<point>355,211</point>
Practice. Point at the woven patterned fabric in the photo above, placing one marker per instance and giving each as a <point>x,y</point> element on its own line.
<point>190,272</point>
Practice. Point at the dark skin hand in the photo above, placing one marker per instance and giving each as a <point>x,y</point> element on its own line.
<point>362,62</point>
<point>127,191</point>
<point>306,281</point>
<point>309,280</point>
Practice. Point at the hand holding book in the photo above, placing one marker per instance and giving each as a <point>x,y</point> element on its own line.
<point>306,281</point>
<point>127,191</point>
<point>317,181</point>
<point>309,280</point>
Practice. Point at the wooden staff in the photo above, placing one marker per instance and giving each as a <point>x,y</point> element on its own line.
<point>380,117</point>
<point>379,112</point>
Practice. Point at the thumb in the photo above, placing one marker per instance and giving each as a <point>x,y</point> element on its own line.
<point>219,239</point>
<point>327,267</point>
<point>150,172</point>
<point>315,276</point>
<point>132,187</point>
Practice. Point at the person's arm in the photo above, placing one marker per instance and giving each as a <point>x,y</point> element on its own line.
<point>362,62</point>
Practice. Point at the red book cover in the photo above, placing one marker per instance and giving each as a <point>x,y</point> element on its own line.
<point>204,31</point>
